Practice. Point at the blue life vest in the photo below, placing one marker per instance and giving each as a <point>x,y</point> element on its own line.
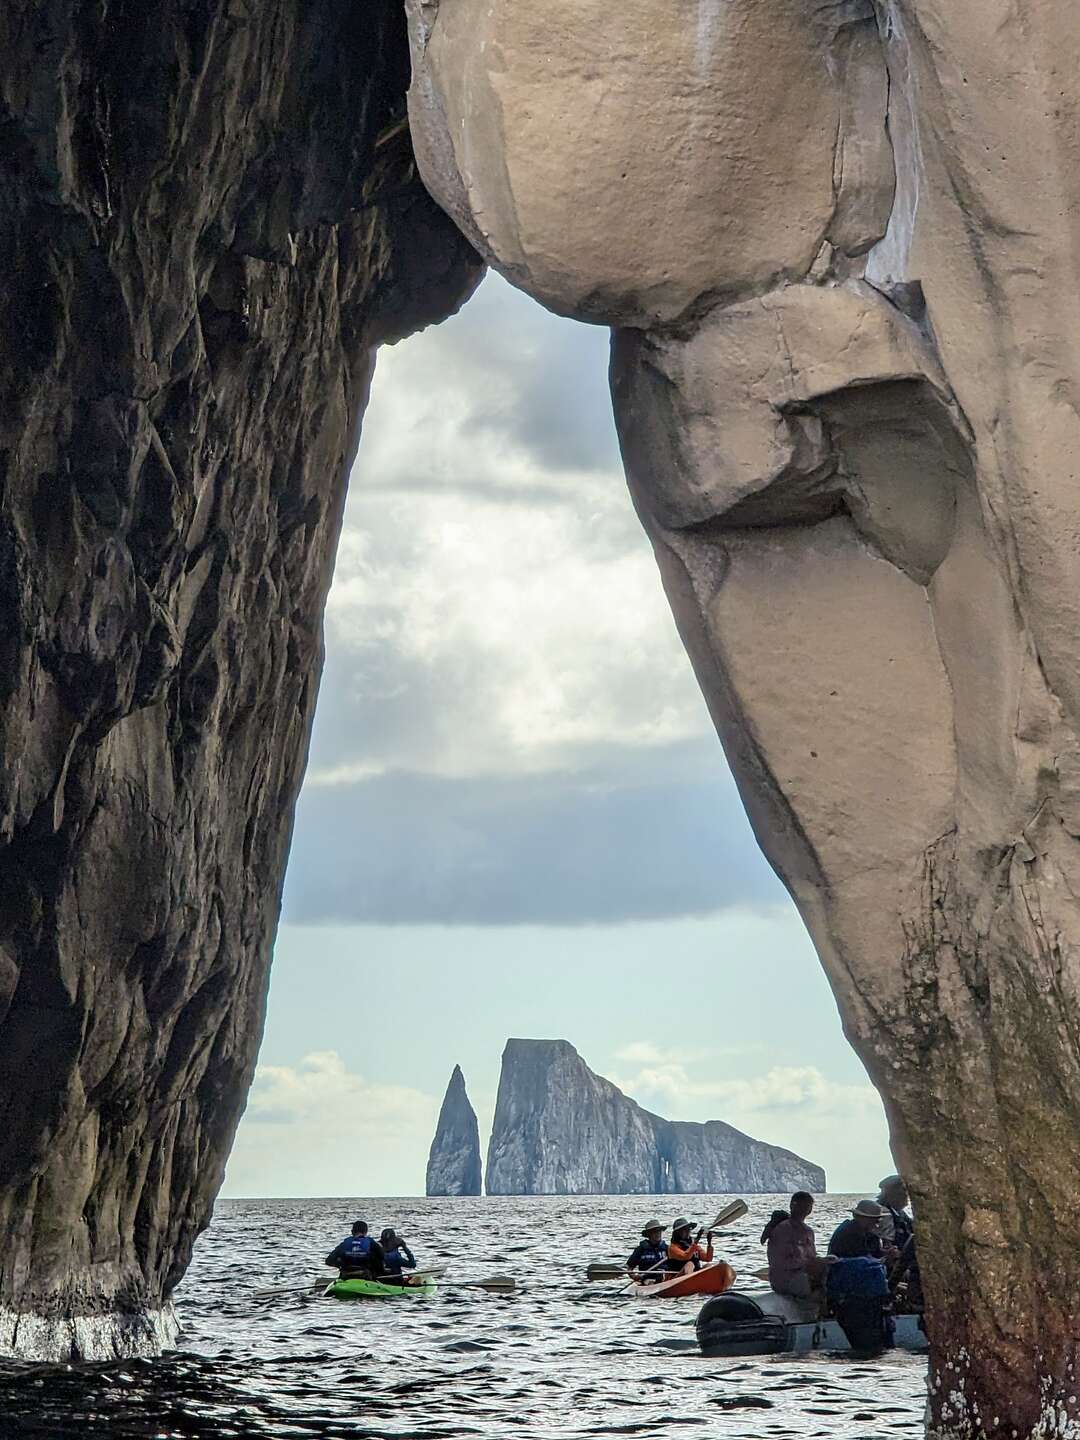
<point>355,1250</point>
<point>858,1276</point>
<point>393,1261</point>
<point>648,1257</point>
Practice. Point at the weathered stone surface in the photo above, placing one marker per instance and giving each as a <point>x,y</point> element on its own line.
<point>201,247</point>
<point>589,150</point>
<point>561,1129</point>
<point>454,1166</point>
<point>865,510</point>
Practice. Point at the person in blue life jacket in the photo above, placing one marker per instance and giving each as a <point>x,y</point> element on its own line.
<point>358,1256</point>
<point>397,1257</point>
<point>651,1254</point>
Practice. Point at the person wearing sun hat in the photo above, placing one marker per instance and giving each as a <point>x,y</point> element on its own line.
<point>859,1235</point>
<point>651,1254</point>
<point>684,1252</point>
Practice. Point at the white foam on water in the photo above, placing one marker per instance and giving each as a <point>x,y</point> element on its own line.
<point>121,1336</point>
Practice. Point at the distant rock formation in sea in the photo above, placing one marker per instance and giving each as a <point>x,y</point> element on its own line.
<point>561,1129</point>
<point>454,1166</point>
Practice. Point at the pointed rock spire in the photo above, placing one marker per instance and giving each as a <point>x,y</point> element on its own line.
<point>454,1162</point>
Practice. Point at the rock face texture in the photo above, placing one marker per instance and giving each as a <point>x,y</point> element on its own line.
<point>842,271</point>
<point>203,241</point>
<point>561,1129</point>
<point>454,1164</point>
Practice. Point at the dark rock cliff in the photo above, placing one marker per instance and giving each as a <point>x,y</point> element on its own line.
<point>207,223</point>
<point>561,1129</point>
<point>454,1166</point>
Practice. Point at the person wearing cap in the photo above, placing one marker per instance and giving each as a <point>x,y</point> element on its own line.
<point>858,1237</point>
<point>651,1254</point>
<point>897,1226</point>
<point>684,1252</point>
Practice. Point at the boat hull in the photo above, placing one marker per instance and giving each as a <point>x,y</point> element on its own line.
<point>375,1290</point>
<point>712,1279</point>
<point>769,1324</point>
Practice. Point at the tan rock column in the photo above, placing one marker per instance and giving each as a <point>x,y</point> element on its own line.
<point>837,242</point>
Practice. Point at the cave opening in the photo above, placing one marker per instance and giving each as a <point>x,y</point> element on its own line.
<point>516,806</point>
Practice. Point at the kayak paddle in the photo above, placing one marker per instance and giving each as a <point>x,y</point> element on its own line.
<point>311,1287</point>
<point>497,1285</point>
<point>605,1271</point>
<point>735,1211</point>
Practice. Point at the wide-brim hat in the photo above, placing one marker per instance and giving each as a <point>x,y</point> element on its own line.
<point>870,1209</point>
<point>682,1223</point>
<point>653,1225</point>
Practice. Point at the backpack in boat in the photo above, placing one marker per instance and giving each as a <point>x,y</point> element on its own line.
<point>859,1291</point>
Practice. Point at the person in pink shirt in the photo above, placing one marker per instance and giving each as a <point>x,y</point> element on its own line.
<point>794,1265</point>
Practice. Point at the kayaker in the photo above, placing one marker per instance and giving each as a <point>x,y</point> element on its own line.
<point>684,1252</point>
<point>795,1268</point>
<point>397,1257</point>
<point>358,1255</point>
<point>858,1236</point>
<point>651,1254</point>
<point>897,1226</point>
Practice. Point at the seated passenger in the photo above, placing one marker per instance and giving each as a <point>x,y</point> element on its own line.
<point>651,1254</point>
<point>858,1236</point>
<point>897,1226</point>
<point>795,1267</point>
<point>905,1279</point>
<point>397,1257</point>
<point>684,1252</point>
<point>358,1256</point>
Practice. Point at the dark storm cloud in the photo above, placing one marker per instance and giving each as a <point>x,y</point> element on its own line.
<point>550,850</point>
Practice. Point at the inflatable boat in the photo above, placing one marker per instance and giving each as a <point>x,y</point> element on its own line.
<point>763,1323</point>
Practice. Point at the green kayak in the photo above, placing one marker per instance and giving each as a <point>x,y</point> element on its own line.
<point>376,1290</point>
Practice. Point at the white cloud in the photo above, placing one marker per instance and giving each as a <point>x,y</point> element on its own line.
<point>320,1129</point>
<point>496,607</point>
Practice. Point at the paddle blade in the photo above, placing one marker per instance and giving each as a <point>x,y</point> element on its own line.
<point>498,1284</point>
<point>600,1271</point>
<point>310,1288</point>
<point>735,1211</point>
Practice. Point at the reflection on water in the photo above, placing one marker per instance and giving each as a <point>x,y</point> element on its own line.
<point>561,1358</point>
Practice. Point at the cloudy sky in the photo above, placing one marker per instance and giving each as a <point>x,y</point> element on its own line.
<point>517,818</point>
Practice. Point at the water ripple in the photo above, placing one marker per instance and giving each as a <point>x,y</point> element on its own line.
<point>559,1360</point>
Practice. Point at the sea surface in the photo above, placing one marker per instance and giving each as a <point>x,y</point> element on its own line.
<point>560,1358</point>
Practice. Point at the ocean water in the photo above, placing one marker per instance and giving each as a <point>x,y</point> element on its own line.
<point>558,1360</point>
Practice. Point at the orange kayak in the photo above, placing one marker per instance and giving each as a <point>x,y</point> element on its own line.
<point>711,1279</point>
